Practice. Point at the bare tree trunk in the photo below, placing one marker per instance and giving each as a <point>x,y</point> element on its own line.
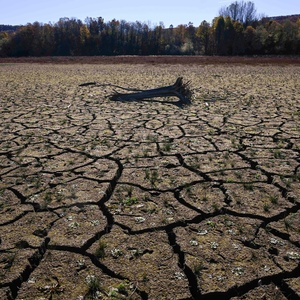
<point>178,89</point>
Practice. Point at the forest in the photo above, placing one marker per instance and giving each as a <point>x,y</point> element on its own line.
<point>227,34</point>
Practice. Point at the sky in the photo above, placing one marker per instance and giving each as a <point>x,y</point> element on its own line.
<point>170,12</point>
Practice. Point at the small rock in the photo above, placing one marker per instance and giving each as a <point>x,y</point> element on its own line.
<point>293,255</point>
<point>179,275</point>
<point>139,219</point>
<point>214,245</point>
<point>238,271</point>
<point>202,231</point>
<point>194,243</point>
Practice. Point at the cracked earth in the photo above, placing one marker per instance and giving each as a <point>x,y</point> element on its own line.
<point>143,199</point>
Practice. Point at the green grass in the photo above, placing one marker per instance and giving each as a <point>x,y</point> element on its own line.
<point>100,251</point>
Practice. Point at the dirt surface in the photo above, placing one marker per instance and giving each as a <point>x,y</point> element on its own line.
<point>157,60</point>
<point>143,199</point>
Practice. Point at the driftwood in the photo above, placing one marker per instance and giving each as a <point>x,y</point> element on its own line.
<point>178,89</point>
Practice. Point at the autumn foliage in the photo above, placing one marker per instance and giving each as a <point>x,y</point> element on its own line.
<point>224,36</point>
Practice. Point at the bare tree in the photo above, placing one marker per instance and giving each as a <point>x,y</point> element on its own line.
<point>244,12</point>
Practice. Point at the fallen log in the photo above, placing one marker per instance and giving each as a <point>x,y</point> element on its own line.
<point>178,89</point>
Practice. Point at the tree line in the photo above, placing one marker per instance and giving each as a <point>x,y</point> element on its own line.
<point>227,34</point>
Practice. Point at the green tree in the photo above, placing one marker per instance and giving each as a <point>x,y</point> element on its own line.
<point>250,41</point>
<point>262,37</point>
<point>84,40</point>
<point>219,29</point>
<point>4,41</point>
<point>203,35</point>
<point>290,38</point>
<point>22,41</point>
<point>229,36</point>
<point>273,42</point>
<point>48,42</point>
<point>238,45</point>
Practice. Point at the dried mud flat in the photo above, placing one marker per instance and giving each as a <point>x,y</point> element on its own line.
<point>145,200</point>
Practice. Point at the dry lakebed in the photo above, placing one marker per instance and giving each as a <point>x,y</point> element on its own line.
<point>104,199</point>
